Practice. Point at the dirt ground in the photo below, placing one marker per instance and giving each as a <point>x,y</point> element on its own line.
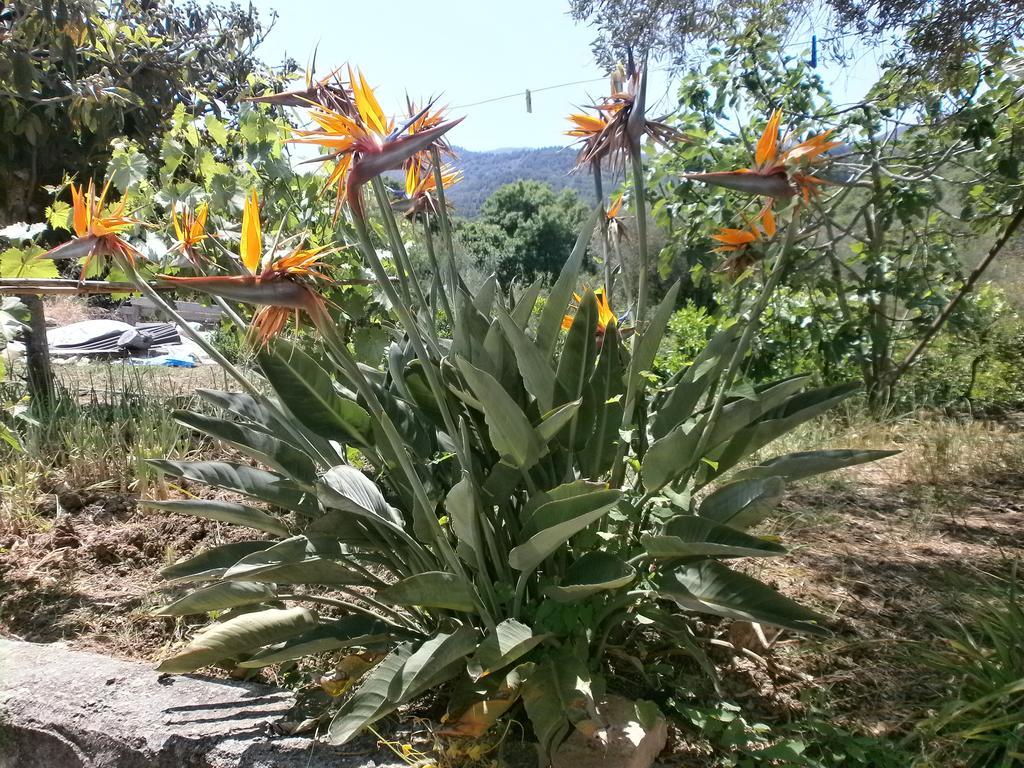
<point>888,557</point>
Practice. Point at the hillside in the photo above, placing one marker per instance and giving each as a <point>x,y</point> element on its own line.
<point>484,172</point>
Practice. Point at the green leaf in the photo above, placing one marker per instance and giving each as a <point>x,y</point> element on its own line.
<point>576,362</point>
<point>523,309</point>
<point>555,421</point>
<point>217,129</point>
<point>431,589</point>
<point>212,563</point>
<point>511,433</point>
<point>240,478</point>
<point>346,488</point>
<point>217,597</point>
<point>534,365</point>
<point>781,419</point>
<point>671,456</point>
<point>558,299</point>
<point>19,262</point>
<point>461,506</point>
<point>648,343</point>
<point>403,675</point>
<point>276,454</point>
<point>690,536</point>
<point>243,634</point>
<point>694,382</point>
<point>510,641</point>
<point>224,511</point>
<point>370,701</point>
<point>598,454</point>
<point>743,503</point>
<point>711,587</point>
<point>336,634</point>
<point>743,411</point>
<point>796,466</point>
<point>298,560</point>
<point>594,572</point>
<point>529,555</point>
<point>310,395</point>
<point>557,694</point>
<point>562,508</point>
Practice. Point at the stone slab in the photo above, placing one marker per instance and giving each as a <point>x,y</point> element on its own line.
<point>70,709</point>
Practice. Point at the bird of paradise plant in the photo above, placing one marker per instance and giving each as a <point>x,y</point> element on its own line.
<point>281,286</point>
<point>97,233</point>
<point>366,143</point>
<point>738,244</point>
<point>190,230</point>
<point>468,549</point>
<point>778,173</point>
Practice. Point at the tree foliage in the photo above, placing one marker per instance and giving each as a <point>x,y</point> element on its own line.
<point>524,229</point>
<point>75,75</point>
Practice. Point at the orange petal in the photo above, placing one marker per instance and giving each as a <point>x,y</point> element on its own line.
<point>768,144</point>
<point>252,237</point>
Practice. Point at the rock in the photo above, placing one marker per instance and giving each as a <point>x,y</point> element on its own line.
<point>69,709</point>
<point>628,734</point>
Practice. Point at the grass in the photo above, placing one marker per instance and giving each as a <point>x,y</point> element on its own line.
<point>107,421</point>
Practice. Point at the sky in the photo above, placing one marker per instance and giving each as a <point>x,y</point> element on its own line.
<point>486,49</point>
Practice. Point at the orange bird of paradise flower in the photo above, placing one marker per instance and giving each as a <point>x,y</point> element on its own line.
<point>737,243</point>
<point>280,286</point>
<point>96,234</point>
<point>620,123</point>
<point>421,188</point>
<point>366,143</point>
<point>605,316</point>
<point>777,173</point>
<point>616,223</point>
<point>190,229</point>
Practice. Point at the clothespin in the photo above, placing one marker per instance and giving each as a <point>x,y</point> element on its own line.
<point>529,102</point>
<point>814,51</point>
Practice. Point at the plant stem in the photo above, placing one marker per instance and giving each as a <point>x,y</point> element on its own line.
<point>599,191</point>
<point>428,242</point>
<point>633,376</point>
<point>446,228</point>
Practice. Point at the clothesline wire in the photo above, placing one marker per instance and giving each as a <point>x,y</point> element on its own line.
<point>519,94</point>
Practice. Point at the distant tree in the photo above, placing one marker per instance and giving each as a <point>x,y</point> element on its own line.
<point>931,37</point>
<point>531,228</point>
<point>76,74</point>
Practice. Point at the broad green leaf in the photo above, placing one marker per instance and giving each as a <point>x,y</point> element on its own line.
<point>310,395</point>
<point>576,362</point>
<point>224,511</point>
<point>217,597</point>
<point>371,700</point>
<point>523,309</point>
<point>298,560</point>
<point>743,503</point>
<point>334,635</point>
<point>529,555</point>
<point>650,339</point>
<point>670,457</point>
<point>244,634</point>
<point>510,641</point>
<point>690,536</point>
<point>346,488</point>
<point>212,563</point>
<point>694,382</point>
<point>534,365</point>
<point>217,129</point>
<point>438,659</point>
<point>554,422</point>
<point>559,493</point>
<point>557,694</point>
<point>780,420</point>
<point>431,589</point>
<point>711,587</point>
<point>558,299</point>
<point>796,466</point>
<point>462,509</point>
<point>595,572</point>
<point>240,478</point>
<point>512,435</point>
<point>604,399</point>
<point>743,411</point>
<point>25,262</point>
<point>559,510</point>
<point>276,454</point>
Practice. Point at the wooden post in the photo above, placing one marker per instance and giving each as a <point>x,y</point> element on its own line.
<point>37,355</point>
